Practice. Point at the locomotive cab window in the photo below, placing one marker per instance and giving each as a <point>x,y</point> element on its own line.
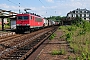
<point>25,17</point>
<point>22,17</point>
<point>19,18</point>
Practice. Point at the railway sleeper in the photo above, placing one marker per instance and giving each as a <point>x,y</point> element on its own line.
<point>28,53</point>
<point>37,45</point>
<point>4,46</point>
<point>7,52</point>
<point>25,48</point>
<point>21,51</point>
<point>11,58</point>
<point>16,55</point>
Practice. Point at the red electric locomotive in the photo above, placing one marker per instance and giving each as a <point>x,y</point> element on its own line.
<point>28,21</point>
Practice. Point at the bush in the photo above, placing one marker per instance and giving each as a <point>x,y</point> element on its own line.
<point>69,37</point>
<point>71,28</point>
<point>82,32</point>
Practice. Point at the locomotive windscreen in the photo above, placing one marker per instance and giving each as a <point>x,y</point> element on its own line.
<point>22,17</point>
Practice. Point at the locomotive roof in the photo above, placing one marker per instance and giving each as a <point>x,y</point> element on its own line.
<point>30,14</point>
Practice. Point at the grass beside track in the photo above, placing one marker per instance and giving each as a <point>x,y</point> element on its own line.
<point>78,37</point>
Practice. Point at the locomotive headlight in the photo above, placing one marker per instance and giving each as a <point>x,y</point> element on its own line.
<point>27,24</point>
<point>18,24</point>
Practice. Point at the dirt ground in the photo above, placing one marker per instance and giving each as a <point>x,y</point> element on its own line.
<point>56,44</point>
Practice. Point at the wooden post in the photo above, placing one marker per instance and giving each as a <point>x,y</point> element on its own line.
<point>2,24</point>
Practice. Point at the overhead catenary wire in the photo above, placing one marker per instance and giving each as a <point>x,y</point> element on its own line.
<point>20,4</point>
<point>42,4</point>
<point>45,5</point>
<point>13,2</point>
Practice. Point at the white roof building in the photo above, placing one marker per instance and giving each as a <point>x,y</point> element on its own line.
<point>83,13</point>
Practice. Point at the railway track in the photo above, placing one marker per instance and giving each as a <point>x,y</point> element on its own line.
<point>10,37</point>
<point>23,46</point>
<point>4,41</point>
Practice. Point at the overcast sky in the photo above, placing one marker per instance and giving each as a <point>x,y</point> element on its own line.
<point>45,8</point>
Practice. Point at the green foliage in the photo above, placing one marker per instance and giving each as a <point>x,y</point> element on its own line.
<point>52,36</point>
<point>58,52</point>
<point>84,56</point>
<point>8,20</point>
<point>77,58</point>
<point>63,27</point>
<point>6,26</point>
<point>69,37</point>
<point>69,58</point>
<point>71,28</point>
<point>86,26</point>
<point>0,25</point>
<point>55,52</point>
<point>83,24</point>
<point>75,50</point>
<point>87,42</point>
<point>76,20</point>
<point>81,32</point>
<point>77,35</point>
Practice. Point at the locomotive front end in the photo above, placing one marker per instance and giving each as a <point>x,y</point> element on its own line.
<point>22,23</point>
